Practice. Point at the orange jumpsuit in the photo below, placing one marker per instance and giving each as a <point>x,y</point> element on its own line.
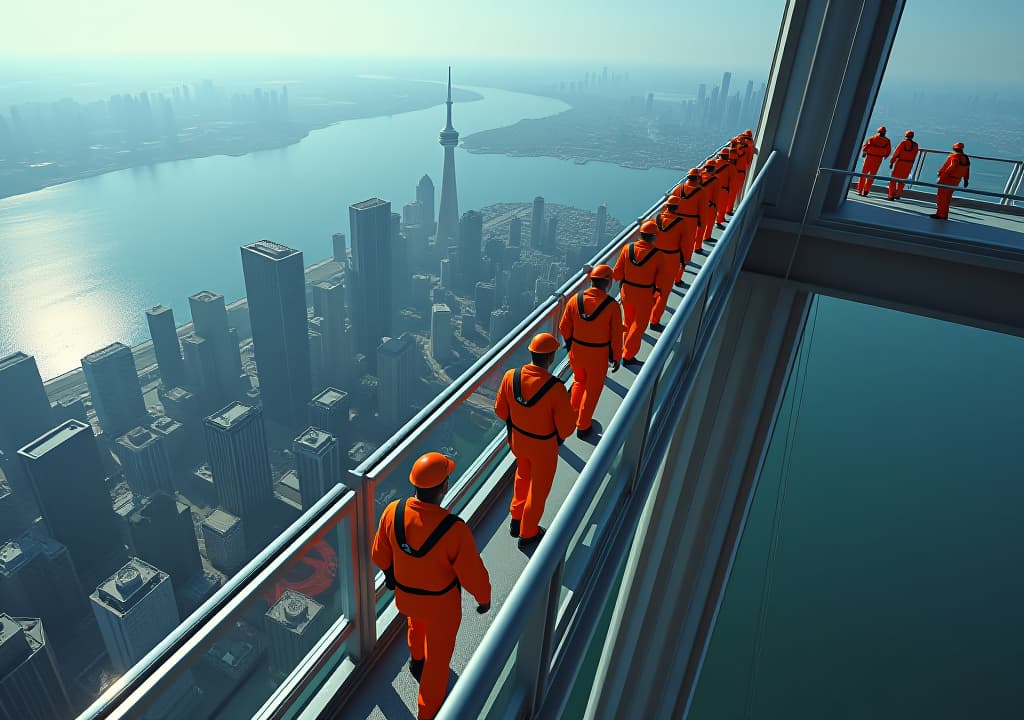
<point>689,209</point>
<point>708,207</point>
<point>956,168</point>
<point>593,329</point>
<point>875,149</point>
<point>536,427</point>
<point>668,241</point>
<point>901,162</point>
<point>434,607</point>
<point>726,175</point>
<point>744,158</point>
<point>640,273</point>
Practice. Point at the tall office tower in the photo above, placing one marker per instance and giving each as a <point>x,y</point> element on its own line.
<point>551,236</point>
<point>135,610</point>
<point>163,535</point>
<point>723,96</point>
<point>201,371</point>
<point>440,332</point>
<point>748,96</point>
<point>448,214</point>
<point>339,250</point>
<point>446,274</point>
<point>471,240</point>
<point>420,292</point>
<point>328,411</point>
<point>13,520</point>
<point>30,684</point>
<point>224,538</point>
<point>293,624</point>
<point>329,299</point>
<point>180,404</point>
<point>411,213</point>
<point>70,486</point>
<point>38,578</point>
<point>237,447</point>
<point>319,463</point>
<point>275,285</point>
<point>500,324</point>
<point>425,199</point>
<point>165,345</point>
<point>713,106</point>
<point>602,224</point>
<point>515,232</point>
<point>25,414</point>
<point>401,269</point>
<point>396,368</point>
<point>370,221</point>
<point>178,440</point>
<point>486,299</point>
<point>146,462</point>
<point>69,408</point>
<point>114,389</point>
<point>537,224</point>
<point>223,361</point>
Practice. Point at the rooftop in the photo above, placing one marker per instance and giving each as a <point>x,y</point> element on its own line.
<point>138,438</point>
<point>221,521</point>
<point>12,359</point>
<point>165,425</point>
<point>124,589</point>
<point>269,249</point>
<point>440,307</point>
<point>178,393</point>
<point>53,439</point>
<point>394,346</point>
<point>294,611</point>
<point>231,415</point>
<point>330,396</point>
<point>367,204</point>
<point>206,296</point>
<point>158,310</point>
<point>314,439</point>
<point>111,350</point>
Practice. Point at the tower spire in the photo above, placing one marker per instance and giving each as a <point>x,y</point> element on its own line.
<point>449,101</point>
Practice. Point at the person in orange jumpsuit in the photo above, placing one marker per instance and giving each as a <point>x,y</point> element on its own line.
<point>535,407</point>
<point>668,241</point>
<point>591,326</point>
<point>709,208</point>
<point>426,554</point>
<point>956,168</point>
<point>726,174</point>
<point>876,149</point>
<point>744,144</point>
<point>641,275</point>
<point>689,209</point>
<point>901,162</point>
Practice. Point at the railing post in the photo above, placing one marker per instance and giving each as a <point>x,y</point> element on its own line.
<point>916,175</point>
<point>365,570</point>
<point>533,656</point>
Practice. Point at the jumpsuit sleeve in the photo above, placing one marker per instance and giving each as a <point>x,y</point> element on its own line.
<point>618,272</point>
<point>967,172</point>
<point>565,324</point>
<point>615,315</point>
<point>381,553</point>
<point>564,415</point>
<point>469,566</point>
<point>888,148</point>
<point>501,399</point>
<point>946,167</point>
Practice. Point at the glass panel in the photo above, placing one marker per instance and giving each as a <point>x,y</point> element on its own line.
<point>503,696</point>
<point>254,651</point>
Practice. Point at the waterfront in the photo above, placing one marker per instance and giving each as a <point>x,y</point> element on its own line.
<point>83,260</point>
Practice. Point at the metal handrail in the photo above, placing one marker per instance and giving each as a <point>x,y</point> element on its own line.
<point>486,667</point>
<point>922,183</point>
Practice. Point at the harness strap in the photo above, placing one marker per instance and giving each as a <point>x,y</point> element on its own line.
<point>517,389</point>
<point>641,263</point>
<point>433,539</point>
<point>592,316</point>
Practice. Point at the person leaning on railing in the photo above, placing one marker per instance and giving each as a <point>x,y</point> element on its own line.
<point>428,555</point>
<point>876,148</point>
<point>956,168</point>
<point>901,162</point>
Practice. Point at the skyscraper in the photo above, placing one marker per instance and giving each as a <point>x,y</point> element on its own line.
<point>396,367</point>
<point>135,610</point>
<point>551,234</point>
<point>293,624</point>
<point>485,302</point>
<point>221,360</point>
<point>318,461</point>
<point>165,346</point>
<point>38,578</point>
<point>146,462</point>
<point>114,389</point>
<point>339,250</point>
<point>537,224</point>
<point>237,446</point>
<point>602,224</point>
<point>723,96</point>
<point>448,215</point>
<point>471,239</point>
<point>425,198</point>
<point>328,411</point>
<point>401,275</point>
<point>515,232</point>
<point>440,332</point>
<point>275,285</point>
<point>224,536</point>
<point>30,684</point>
<point>70,486</point>
<point>163,535</point>
<point>25,414</point>
<point>329,300</point>
<point>370,222</point>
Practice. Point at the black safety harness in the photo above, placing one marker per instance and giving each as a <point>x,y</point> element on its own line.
<point>683,196</point>
<point>608,300</point>
<point>517,393</point>
<point>639,263</point>
<point>676,220</point>
<point>443,527</point>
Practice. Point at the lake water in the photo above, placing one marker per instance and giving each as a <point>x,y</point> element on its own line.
<point>81,262</point>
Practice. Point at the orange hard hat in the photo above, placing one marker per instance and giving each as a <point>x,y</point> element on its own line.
<point>693,173</point>
<point>749,133</point>
<point>908,133</point>
<point>958,146</point>
<point>881,128</point>
<point>544,343</point>
<point>431,470</point>
<point>649,228</point>
<point>710,164</point>
<point>601,272</point>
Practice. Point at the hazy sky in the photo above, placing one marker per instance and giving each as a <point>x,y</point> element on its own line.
<point>988,32</point>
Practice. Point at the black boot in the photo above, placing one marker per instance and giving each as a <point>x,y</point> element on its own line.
<point>416,668</point>
<point>513,527</point>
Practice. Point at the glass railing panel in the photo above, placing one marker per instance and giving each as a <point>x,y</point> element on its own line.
<point>506,696</point>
